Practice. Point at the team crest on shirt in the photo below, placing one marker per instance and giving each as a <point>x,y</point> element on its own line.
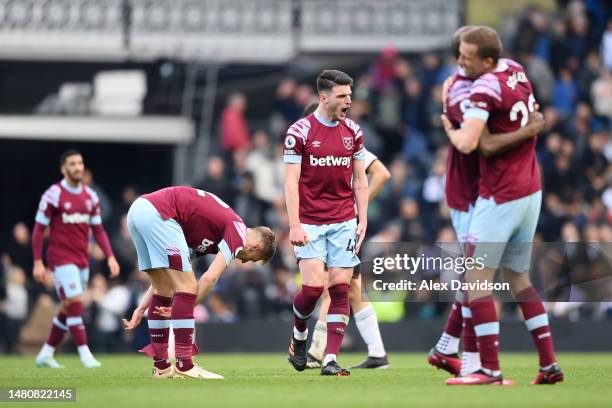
<point>348,143</point>
<point>89,205</point>
<point>67,205</point>
<point>316,143</point>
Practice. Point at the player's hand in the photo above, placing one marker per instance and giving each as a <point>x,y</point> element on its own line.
<point>135,321</point>
<point>297,236</point>
<point>536,122</point>
<point>361,232</point>
<point>113,266</point>
<point>446,124</point>
<point>162,311</point>
<point>39,271</point>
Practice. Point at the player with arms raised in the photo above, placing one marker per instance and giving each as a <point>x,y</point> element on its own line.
<point>508,205</point>
<point>69,209</point>
<point>324,180</point>
<point>164,226</point>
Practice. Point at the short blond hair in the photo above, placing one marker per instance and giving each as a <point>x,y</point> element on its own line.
<point>268,241</point>
<point>486,39</point>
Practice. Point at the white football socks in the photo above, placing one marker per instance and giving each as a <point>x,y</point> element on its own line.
<point>85,353</point>
<point>367,324</point>
<point>298,335</point>
<point>319,340</point>
<point>448,344</point>
<point>470,362</point>
<point>45,352</point>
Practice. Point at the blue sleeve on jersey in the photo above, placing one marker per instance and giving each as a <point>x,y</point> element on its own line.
<point>292,159</point>
<point>360,155</point>
<point>41,218</point>
<point>225,250</point>
<point>476,113</point>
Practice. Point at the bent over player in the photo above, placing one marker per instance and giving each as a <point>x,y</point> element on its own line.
<point>324,180</point>
<point>164,226</point>
<point>69,209</point>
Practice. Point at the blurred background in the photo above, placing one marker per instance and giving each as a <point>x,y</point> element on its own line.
<point>200,92</point>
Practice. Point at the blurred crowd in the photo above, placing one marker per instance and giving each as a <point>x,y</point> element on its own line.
<point>397,102</point>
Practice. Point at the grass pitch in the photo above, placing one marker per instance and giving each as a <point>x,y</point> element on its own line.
<point>267,380</point>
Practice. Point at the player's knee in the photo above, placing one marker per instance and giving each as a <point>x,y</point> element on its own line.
<point>340,290</point>
<point>312,292</point>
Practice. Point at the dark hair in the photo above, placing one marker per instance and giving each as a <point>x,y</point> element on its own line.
<point>486,39</point>
<point>330,77</point>
<point>67,154</point>
<point>457,38</point>
<point>310,108</point>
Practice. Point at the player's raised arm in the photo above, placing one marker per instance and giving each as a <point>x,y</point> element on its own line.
<point>491,145</point>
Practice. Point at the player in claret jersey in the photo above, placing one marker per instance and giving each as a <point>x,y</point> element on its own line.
<point>164,226</point>
<point>462,177</point>
<point>365,315</point>
<point>324,180</point>
<point>70,209</point>
<point>508,205</point>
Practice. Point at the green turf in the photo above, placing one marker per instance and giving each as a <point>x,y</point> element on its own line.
<point>267,380</point>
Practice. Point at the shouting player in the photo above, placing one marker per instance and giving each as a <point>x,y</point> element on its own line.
<point>363,311</point>
<point>324,180</point>
<point>70,209</point>
<point>164,226</point>
<point>508,205</point>
<point>461,193</point>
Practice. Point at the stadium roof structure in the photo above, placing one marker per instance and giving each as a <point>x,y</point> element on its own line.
<point>143,129</point>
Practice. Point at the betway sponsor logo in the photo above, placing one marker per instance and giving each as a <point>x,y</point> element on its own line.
<point>76,218</point>
<point>330,161</point>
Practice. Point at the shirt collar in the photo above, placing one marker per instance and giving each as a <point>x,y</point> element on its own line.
<point>73,190</point>
<point>324,121</point>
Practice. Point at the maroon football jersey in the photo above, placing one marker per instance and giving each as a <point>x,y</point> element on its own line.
<point>326,151</point>
<point>461,169</point>
<point>504,98</point>
<point>208,223</point>
<point>68,212</point>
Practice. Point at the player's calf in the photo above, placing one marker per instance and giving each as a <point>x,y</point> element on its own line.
<point>74,321</point>
<point>303,306</point>
<point>183,325</point>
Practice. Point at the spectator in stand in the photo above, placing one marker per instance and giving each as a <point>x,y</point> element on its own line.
<point>216,180</point>
<point>234,128</point>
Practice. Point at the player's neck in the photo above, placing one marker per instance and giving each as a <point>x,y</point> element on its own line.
<point>72,186</point>
<point>324,118</point>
